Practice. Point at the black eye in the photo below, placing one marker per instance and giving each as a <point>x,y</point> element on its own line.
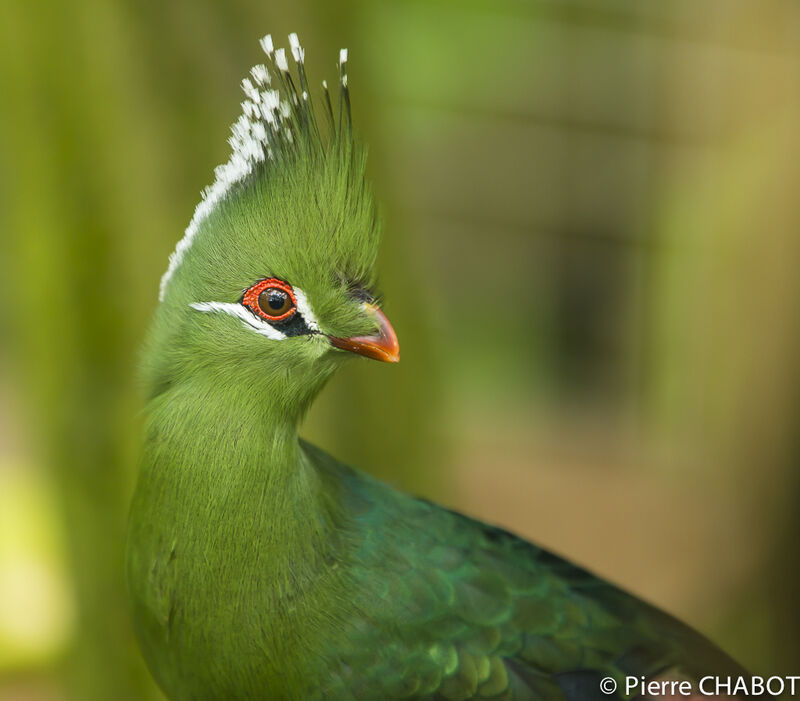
<point>271,299</point>
<point>274,302</point>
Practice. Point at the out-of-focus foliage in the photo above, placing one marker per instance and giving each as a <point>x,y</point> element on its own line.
<point>591,261</point>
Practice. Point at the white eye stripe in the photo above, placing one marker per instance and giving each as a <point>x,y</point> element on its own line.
<point>247,317</point>
<point>254,322</point>
<point>305,309</point>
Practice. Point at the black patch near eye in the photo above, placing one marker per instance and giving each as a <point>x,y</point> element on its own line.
<point>293,326</point>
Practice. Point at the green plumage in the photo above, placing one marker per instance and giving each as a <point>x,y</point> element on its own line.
<point>260,567</point>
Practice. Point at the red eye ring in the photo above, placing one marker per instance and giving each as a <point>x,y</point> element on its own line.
<point>250,299</point>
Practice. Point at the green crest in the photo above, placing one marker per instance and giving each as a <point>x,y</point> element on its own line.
<point>291,202</point>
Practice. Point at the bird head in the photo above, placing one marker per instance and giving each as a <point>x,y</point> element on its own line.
<point>273,282</point>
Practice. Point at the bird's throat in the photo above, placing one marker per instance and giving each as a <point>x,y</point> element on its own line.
<point>226,478</point>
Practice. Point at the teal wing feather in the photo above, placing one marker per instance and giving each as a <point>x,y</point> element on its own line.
<point>446,607</point>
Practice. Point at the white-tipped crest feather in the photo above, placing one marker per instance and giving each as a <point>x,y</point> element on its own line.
<point>297,51</point>
<point>266,44</point>
<point>255,136</point>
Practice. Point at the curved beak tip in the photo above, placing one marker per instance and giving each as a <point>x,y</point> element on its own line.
<point>381,346</point>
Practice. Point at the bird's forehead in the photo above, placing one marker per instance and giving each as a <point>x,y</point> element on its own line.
<point>302,235</point>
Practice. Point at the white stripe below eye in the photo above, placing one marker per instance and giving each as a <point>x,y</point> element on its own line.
<point>247,317</point>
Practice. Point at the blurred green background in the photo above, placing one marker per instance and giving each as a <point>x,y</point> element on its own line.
<point>591,260</point>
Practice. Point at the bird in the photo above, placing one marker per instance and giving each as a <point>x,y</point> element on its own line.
<point>258,565</point>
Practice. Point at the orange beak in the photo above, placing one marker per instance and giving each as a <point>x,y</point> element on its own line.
<point>382,346</point>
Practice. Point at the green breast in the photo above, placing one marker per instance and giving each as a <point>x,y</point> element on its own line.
<point>229,566</point>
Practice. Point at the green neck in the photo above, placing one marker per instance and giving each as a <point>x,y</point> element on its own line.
<point>230,467</point>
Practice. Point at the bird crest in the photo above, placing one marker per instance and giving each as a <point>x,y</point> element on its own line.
<point>276,133</point>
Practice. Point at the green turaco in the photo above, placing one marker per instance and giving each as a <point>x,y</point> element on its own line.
<point>259,566</point>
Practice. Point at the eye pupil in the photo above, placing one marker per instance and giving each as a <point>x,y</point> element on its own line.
<point>274,301</point>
